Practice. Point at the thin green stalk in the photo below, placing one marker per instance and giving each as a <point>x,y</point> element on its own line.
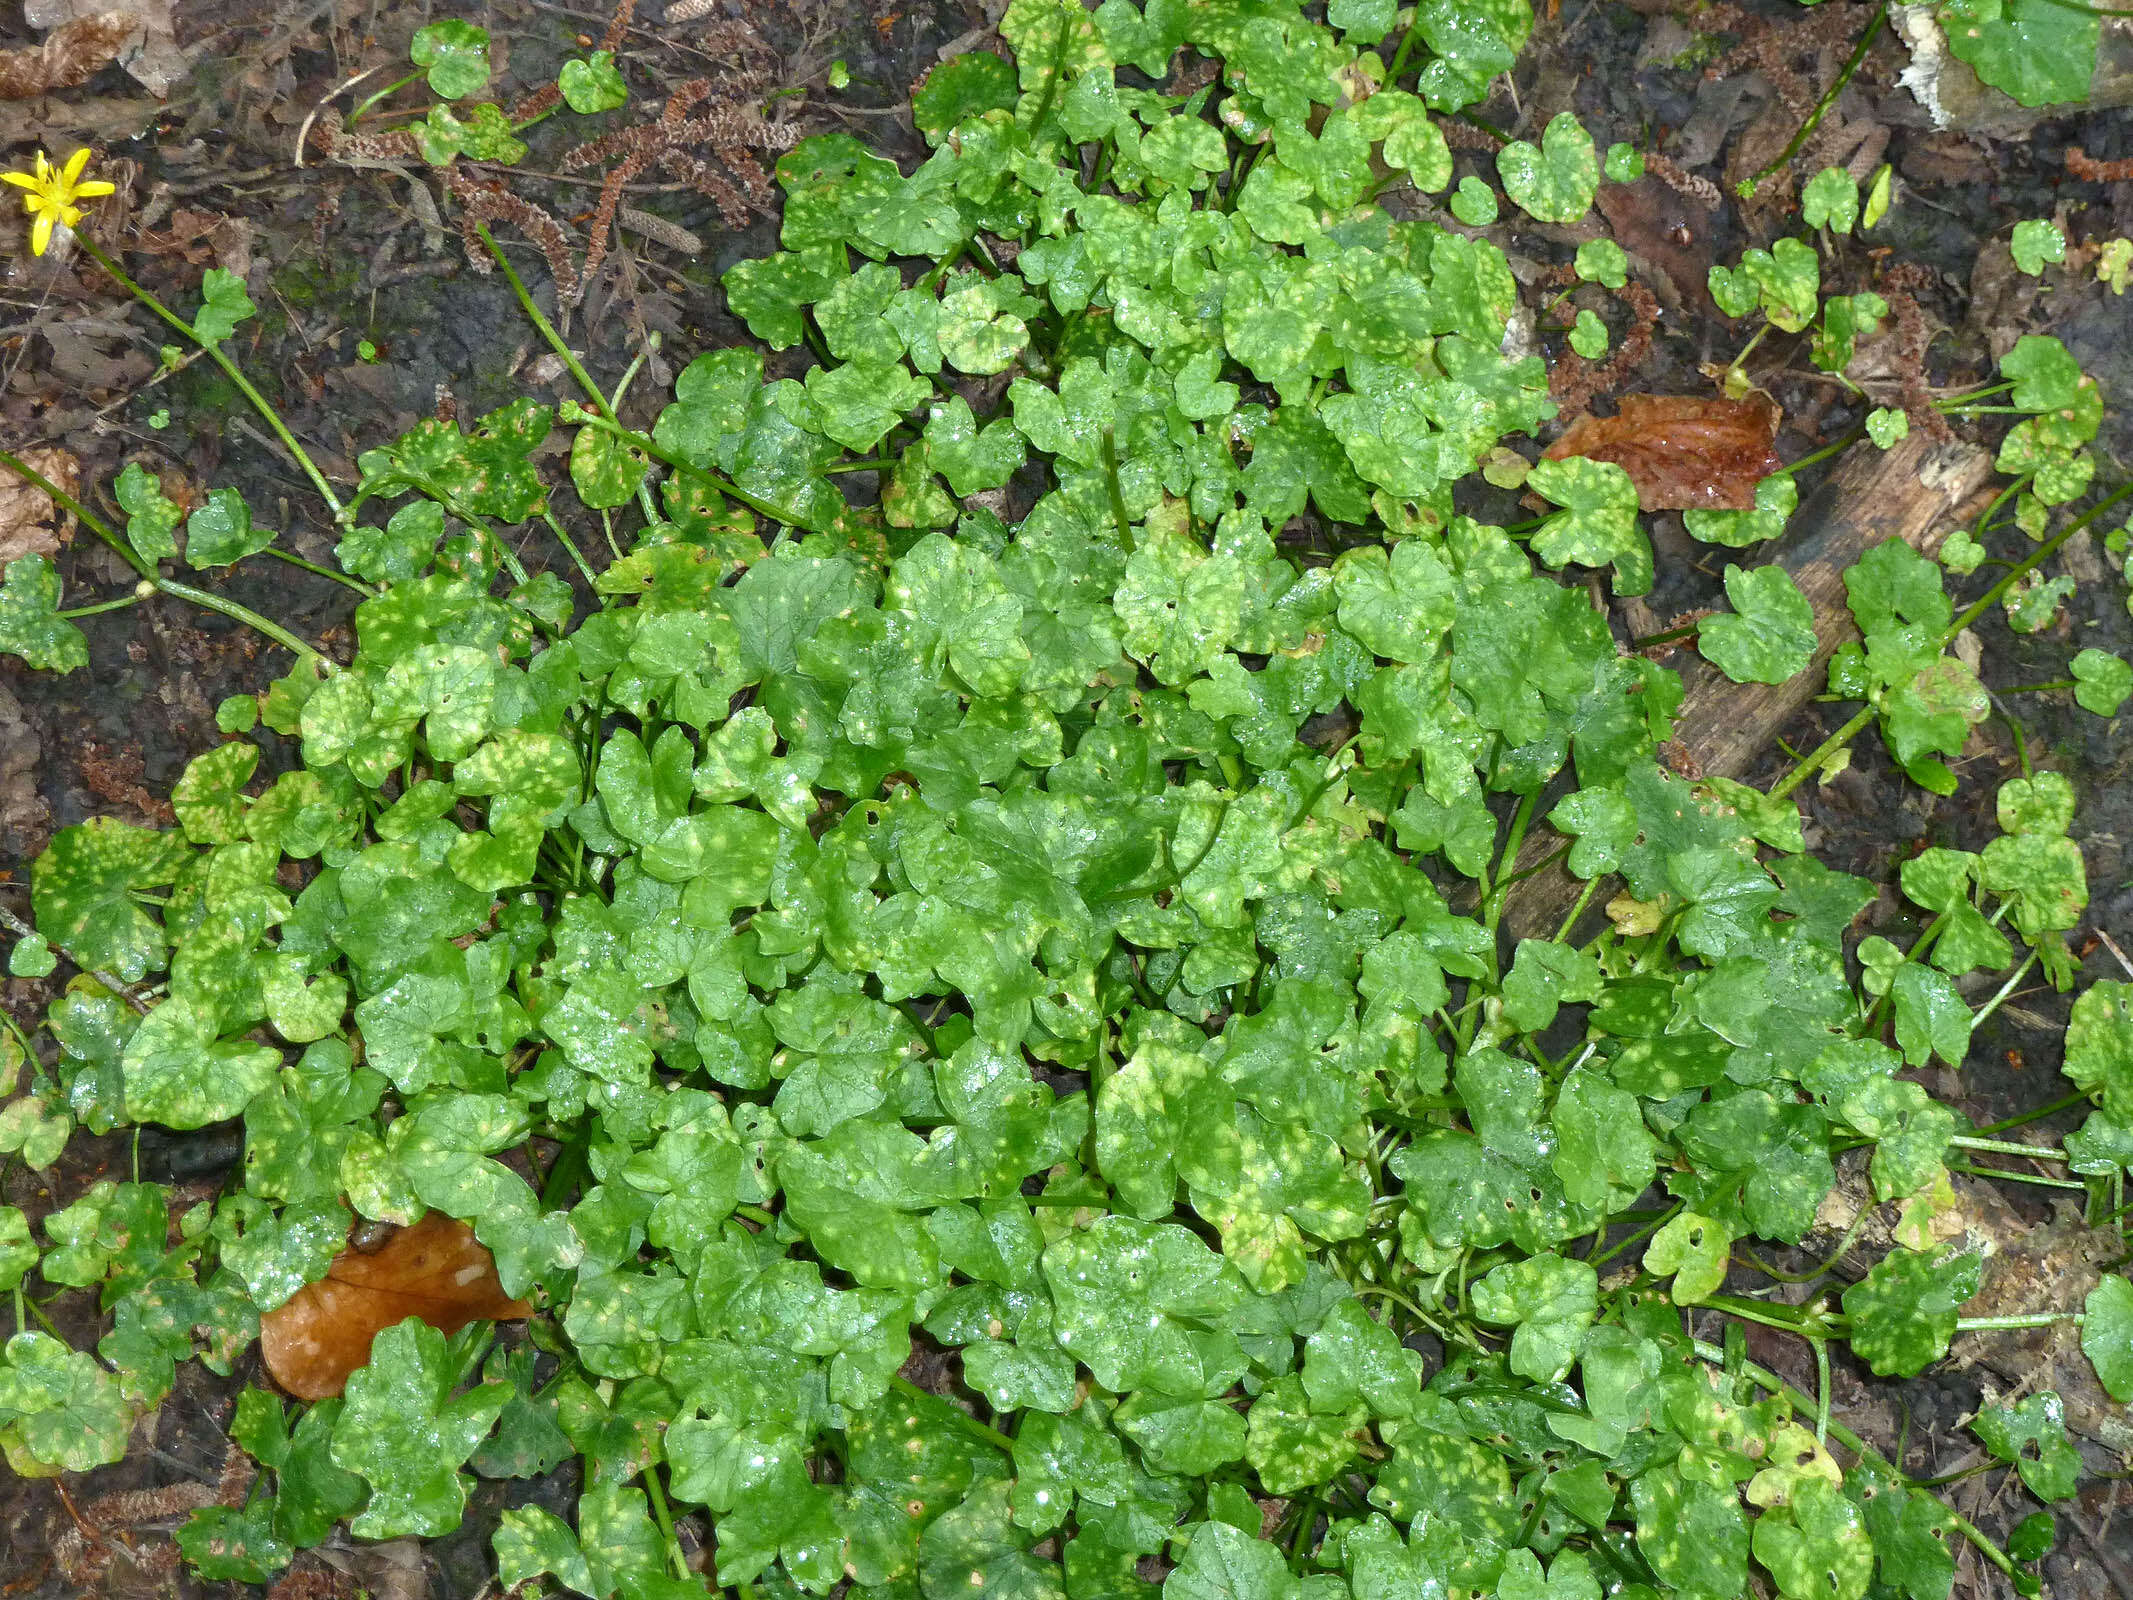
<point>2033,1319</point>
<point>1577,909</point>
<point>1952,402</point>
<point>1520,819</point>
<point>2007,1147</point>
<point>245,614</point>
<point>2032,561</point>
<point>231,371</point>
<point>356,584</point>
<point>2016,1177</point>
<point>1814,117</point>
<point>2040,688</point>
<point>2000,994</point>
<point>81,513</point>
<point>570,548</point>
<point>120,604</point>
<point>1641,1233</point>
<point>1812,761</point>
<point>665,1518</point>
<point>1822,1392</point>
<point>1828,450</point>
<point>2057,1106</point>
<point>393,88</point>
<point>1118,494</point>
<point>1408,41</point>
<point>546,328</point>
<point>1686,630</point>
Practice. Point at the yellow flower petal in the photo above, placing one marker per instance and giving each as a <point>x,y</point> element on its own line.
<point>73,169</point>
<point>41,234</point>
<point>93,188</point>
<point>21,180</point>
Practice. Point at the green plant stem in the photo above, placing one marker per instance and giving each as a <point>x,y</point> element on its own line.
<point>1829,98</point>
<point>2031,562</point>
<point>88,519</point>
<point>1118,494</point>
<point>2057,1106</point>
<point>2032,1319</point>
<point>2000,994</point>
<point>246,615</point>
<point>1812,761</point>
<point>570,548</point>
<point>1837,447</point>
<point>356,584</point>
<point>231,371</point>
<point>962,1419</point>
<point>101,606</point>
<point>1641,1233</point>
<point>2040,688</point>
<point>871,464</point>
<point>665,1518</point>
<point>1764,1378</point>
<point>393,88</point>
<point>1952,402</point>
<point>2016,1177</point>
<point>1408,41</point>
<point>1822,1392</point>
<point>1685,631</point>
<point>2007,1147</point>
<point>1520,819</point>
<point>1577,909</point>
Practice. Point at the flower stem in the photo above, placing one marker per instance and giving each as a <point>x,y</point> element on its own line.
<point>2031,562</point>
<point>1812,761</point>
<point>230,370</point>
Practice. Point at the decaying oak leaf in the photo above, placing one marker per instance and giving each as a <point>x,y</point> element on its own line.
<point>1684,452</point>
<point>30,525</point>
<point>71,55</point>
<point>436,1270</point>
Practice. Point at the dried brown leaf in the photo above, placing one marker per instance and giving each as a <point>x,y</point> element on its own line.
<point>70,56</point>
<point>436,1270</point>
<point>30,525</point>
<point>1684,452</point>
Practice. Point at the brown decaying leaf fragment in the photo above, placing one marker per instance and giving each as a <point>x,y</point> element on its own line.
<point>1684,452</point>
<point>71,55</point>
<point>435,1270</point>
<point>30,525</point>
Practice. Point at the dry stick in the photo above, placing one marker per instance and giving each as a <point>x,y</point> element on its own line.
<point>1915,492</point>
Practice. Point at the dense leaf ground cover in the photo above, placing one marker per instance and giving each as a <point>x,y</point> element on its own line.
<point>832,934</point>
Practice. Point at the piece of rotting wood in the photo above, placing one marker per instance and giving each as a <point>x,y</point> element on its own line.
<point>1918,492</point>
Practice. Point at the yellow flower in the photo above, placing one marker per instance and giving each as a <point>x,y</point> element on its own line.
<point>53,192</point>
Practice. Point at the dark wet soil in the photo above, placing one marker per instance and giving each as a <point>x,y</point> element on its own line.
<point>369,322</point>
